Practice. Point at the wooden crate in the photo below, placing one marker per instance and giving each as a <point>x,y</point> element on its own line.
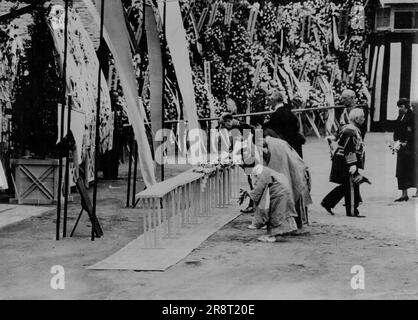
<point>36,181</point>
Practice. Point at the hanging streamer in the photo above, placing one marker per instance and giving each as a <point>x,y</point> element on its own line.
<point>228,13</point>
<point>202,19</point>
<point>117,38</point>
<point>213,13</point>
<point>207,75</point>
<point>155,68</point>
<point>256,77</point>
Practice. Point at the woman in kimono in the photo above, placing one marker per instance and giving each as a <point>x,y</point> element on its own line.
<point>284,159</point>
<point>405,146</point>
<point>275,207</point>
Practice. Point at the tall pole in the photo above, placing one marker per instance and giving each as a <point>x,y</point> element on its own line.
<point>97,137</point>
<point>67,171</point>
<point>163,84</point>
<point>128,192</point>
<point>64,93</point>
<point>135,144</point>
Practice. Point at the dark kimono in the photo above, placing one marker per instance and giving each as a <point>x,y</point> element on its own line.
<point>405,165</point>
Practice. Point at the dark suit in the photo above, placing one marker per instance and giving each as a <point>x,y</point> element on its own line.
<point>286,125</point>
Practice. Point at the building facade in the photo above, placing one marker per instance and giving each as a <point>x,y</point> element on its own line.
<point>393,57</point>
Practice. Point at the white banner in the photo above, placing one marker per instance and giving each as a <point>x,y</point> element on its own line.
<point>117,38</point>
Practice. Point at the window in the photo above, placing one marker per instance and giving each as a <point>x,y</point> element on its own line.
<point>403,20</point>
<point>383,18</point>
<point>406,20</point>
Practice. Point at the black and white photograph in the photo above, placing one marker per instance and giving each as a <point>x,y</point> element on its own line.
<point>208,150</point>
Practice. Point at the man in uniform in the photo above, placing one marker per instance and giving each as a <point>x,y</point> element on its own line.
<point>347,159</point>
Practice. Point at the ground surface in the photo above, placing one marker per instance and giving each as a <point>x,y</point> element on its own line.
<point>231,264</point>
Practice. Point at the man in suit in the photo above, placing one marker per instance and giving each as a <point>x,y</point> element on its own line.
<point>283,123</point>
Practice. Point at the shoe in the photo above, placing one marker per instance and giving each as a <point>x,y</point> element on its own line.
<point>402,199</point>
<point>253,227</point>
<point>267,238</point>
<point>356,214</point>
<point>327,208</point>
<point>299,232</point>
<point>247,210</point>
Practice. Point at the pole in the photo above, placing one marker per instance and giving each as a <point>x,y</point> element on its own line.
<point>135,173</point>
<point>64,91</point>
<point>67,170</point>
<point>163,75</point>
<point>97,137</point>
<point>131,145</point>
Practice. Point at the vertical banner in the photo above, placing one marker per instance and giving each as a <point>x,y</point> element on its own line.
<point>253,25</point>
<point>303,30</point>
<point>228,14</point>
<point>229,79</point>
<point>178,44</point>
<point>394,81</point>
<point>335,38</point>
<point>117,38</point>
<point>206,66</point>
<point>302,72</point>
<point>207,75</point>
<point>198,44</point>
<point>350,64</point>
<point>414,73</point>
<point>318,40</point>
<point>194,24</point>
<point>378,86</point>
<point>202,19</point>
<point>250,20</point>
<point>281,40</point>
<point>333,73</point>
<point>374,63</point>
<point>155,68</point>
<point>366,60</point>
<point>354,69</point>
<point>213,13</point>
<point>279,15</point>
<point>256,77</point>
<point>308,31</point>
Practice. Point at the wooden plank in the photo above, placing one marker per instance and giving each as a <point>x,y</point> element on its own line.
<point>135,257</point>
<point>11,214</point>
<point>162,188</point>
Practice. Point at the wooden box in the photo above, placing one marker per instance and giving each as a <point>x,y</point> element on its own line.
<point>36,181</point>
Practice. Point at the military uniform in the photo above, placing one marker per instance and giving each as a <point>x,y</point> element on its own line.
<point>350,151</point>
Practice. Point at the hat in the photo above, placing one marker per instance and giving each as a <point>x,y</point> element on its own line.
<point>359,179</point>
<point>225,117</point>
<point>404,102</point>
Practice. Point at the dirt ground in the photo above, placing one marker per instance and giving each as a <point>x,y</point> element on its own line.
<point>231,264</point>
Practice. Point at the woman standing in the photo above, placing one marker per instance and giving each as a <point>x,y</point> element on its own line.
<point>405,146</point>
